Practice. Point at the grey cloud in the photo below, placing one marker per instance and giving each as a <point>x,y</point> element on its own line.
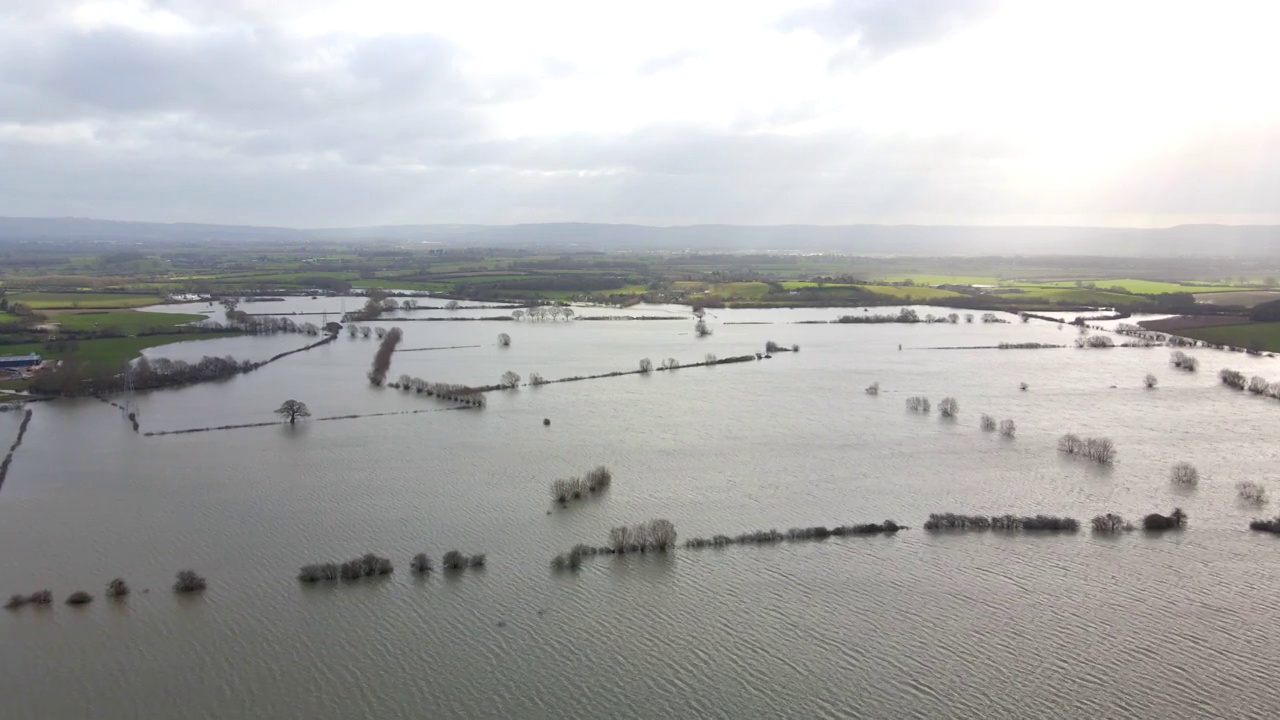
<point>881,27</point>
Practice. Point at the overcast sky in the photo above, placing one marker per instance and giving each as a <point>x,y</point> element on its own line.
<point>336,112</point>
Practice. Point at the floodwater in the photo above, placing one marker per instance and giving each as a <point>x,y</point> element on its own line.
<point>917,625</point>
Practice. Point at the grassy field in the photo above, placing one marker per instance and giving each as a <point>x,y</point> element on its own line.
<point>915,293</point>
<point>1264,336</point>
<point>1142,287</point>
<point>47,300</point>
<point>412,285</point>
<point>927,279</point>
<point>130,322</point>
<point>1073,296</point>
<point>1244,298</point>
<point>110,351</point>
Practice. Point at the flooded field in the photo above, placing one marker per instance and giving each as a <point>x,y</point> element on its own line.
<point>912,624</point>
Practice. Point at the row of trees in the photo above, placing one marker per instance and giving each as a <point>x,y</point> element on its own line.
<point>655,535</point>
<point>540,313</point>
<point>382,358</point>
<point>366,566</point>
<point>818,532</point>
<point>464,394</point>
<point>773,347</point>
<point>116,589</point>
<point>1099,450</point>
<point>1049,523</point>
<point>596,480</point>
<point>1257,384</point>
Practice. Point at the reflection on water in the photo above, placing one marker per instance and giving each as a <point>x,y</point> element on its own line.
<point>914,625</point>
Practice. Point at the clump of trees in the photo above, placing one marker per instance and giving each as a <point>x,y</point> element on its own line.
<point>536,379</point>
<point>596,480</point>
<point>454,560</point>
<point>510,380</point>
<point>421,564</point>
<point>1175,520</point>
<point>918,403</point>
<point>1012,523</point>
<point>368,565</point>
<point>709,359</point>
<point>670,364</point>
<point>1095,341</point>
<point>656,535</point>
<point>1233,378</point>
<point>949,407</point>
<point>1271,526</point>
<point>39,597</point>
<point>187,581</point>
<point>1110,523</point>
<point>646,366</point>
<point>700,328</point>
<point>117,588</point>
<point>1259,385</point>
<point>773,347</point>
<point>291,410</point>
<point>1150,381</point>
<point>382,358</point>
<point>874,388</point>
<point>1183,361</point>
<point>1185,474</point>
<point>1099,450</point>
<point>504,340</point>
<point>1251,492</point>
<point>988,423</point>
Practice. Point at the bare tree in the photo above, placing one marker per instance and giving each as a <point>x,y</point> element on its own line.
<point>1232,379</point>
<point>536,379</point>
<point>381,332</point>
<point>918,403</point>
<point>510,380</point>
<point>452,305</point>
<point>517,315</point>
<point>352,330</point>
<point>953,318</point>
<point>1251,492</point>
<point>188,582</point>
<point>1258,385</point>
<point>661,534</point>
<point>291,410</point>
<point>364,332</point>
<point>620,538</point>
<point>567,313</point>
<point>1008,428</point>
<point>670,364</point>
<point>968,317</point>
<point>1150,381</point>
<point>1184,473</point>
<point>709,359</point>
<point>949,407</point>
<point>1110,523</point>
<point>646,366</point>
<point>504,340</point>
<point>873,388</point>
<point>988,423</point>
<point>701,329</point>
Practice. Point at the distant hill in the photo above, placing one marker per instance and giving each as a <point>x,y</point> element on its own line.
<point>1179,241</point>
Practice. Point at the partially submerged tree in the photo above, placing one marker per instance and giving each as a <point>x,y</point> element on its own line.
<point>1008,428</point>
<point>700,328</point>
<point>79,597</point>
<point>117,588</point>
<point>510,380</point>
<point>382,358</point>
<point>188,582</point>
<point>646,366</point>
<point>1110,523</point>
<point>987,423</point>
<point>1233,378</point>
<point>291,410</point>
<point>949,407</point>
<point>1251,492</point>
<point>504,340</point>
<point>1185,474</point>
<point>873,388</point>
<point>1173,521</point>
<point>918,403</point>
<point>452,305</point>
<point>1150,381</point>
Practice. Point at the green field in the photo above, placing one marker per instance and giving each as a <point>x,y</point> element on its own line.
<point>127,322</point>
<point>1261,336</point>
<point>915,293</point>
<point>47,300</point>
<point>113,352</point>
<point>1072,296</point>
<point>1142,287</point>
<point>927,279</point>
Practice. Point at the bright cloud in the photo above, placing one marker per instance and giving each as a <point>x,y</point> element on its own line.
<point>337,112</point>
